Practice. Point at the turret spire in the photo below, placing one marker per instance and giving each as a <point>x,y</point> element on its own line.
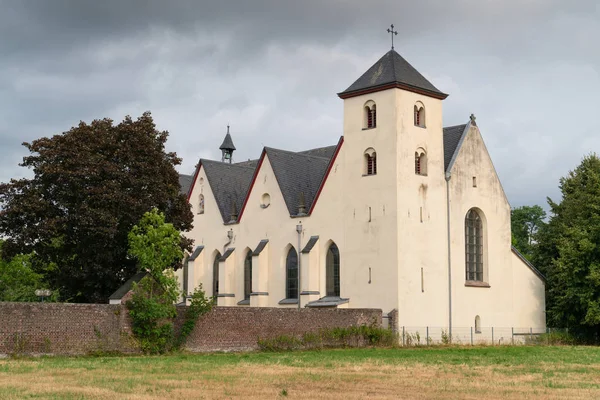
<point>227,148</point>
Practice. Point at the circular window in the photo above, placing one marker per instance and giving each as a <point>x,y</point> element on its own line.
<point>265,200</point>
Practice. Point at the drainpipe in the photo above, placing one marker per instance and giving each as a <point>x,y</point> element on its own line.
<point>448,176</point>
<point>299,230</point>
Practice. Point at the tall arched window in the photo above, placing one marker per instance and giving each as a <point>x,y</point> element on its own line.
<point>419,115</point>
<point>216,276</point>
<point>291,274</point>
<point>201,204</point>
<point>370,115</point>
<point>332,271</point>
<point>370,167</point>
<point>477,324</point>
<point>474,246</point>
<point>420,162</point>
<point>248,275</point>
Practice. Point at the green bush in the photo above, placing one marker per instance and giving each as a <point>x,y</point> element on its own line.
<point>353,336</point>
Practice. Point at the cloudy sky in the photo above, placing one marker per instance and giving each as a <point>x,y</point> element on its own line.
<point>528,69</point>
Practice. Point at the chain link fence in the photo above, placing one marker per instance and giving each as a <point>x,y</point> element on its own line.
<point>495,336</point>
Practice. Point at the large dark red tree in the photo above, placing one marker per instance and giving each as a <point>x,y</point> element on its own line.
<point>91,185</point>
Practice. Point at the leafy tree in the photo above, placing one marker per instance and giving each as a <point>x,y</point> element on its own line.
<point>155,246</point>
<point>90,186</point>
<point>571,245</point>
<point>18,281</point>
<point>525,224</point>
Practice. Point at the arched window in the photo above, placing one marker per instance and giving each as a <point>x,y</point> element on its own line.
<point>216,276</point>
<point>419,115</point>
<point>474,246</point>
<point>291,274</point>
<point>201,204</point>
<point>248,275</point>
<point>370,167</point>
<point>477,324</point>
<point>420,162</point>
<point>370,115</point>
<point>332,271</point>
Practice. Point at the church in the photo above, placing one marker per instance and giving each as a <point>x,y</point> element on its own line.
<point>403,214</point>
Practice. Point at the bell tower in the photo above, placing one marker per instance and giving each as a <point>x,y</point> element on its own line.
<point>395,218</point>
<point>227,148</point>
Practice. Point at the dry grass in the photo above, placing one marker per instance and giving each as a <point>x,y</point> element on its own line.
<point>349,374</point>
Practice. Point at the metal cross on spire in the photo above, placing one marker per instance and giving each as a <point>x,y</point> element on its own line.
<point>393,32</point>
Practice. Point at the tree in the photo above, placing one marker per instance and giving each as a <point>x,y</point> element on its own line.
<point>18,281</point>
<point>526,221</point>
<point>154,244</point>
<point>571,245</point>
<point>91,185</point>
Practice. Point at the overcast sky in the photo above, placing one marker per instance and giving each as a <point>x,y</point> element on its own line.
<point>528,69</point>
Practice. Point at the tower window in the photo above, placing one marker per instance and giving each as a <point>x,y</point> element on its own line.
<point>419,110</point>
<point>370,115</point>
<point>420,162</point>
<point>370,162</point>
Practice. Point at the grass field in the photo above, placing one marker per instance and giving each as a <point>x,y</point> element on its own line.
<point>412,373</point>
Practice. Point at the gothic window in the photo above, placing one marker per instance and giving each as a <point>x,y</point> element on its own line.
<point>477,324</point>
<point>248,275</point>
<point>370,162</point>
<point>332,266</point>
<point>419,115</point>
<point>291,274</point>
<point>201,204</point>
<point>420,162</point>
<point>370,115</point>
<point>216,276</point>
<point>474,246</point>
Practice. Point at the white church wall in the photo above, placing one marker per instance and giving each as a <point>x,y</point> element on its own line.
<point>422,276</point>
<point>369,204</point>
<point>529,296</point>
<point>494,304</point>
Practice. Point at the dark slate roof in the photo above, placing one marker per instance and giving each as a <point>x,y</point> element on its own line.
<point>227,143</point>
<point>326,152</point>
<point>260,247</point>
<point>227,254</point>
<point>196,253</point>
<point>126,287</point>
<point>452,138</point>
<point>311,243</point>
<point>229,184</point>
<point>297,173</point>
<point>249,163</point>
<point>185,181</point>
<point>392,68</point>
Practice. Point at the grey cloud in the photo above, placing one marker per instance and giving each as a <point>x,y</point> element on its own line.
<point>272,69</point>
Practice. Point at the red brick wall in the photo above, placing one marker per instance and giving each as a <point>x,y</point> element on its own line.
<point>54,328</point>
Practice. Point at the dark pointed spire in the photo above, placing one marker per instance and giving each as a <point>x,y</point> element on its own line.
<point>227,148</point>
<point>392,71</point>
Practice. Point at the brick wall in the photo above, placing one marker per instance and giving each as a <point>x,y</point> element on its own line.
<point>55,328</point>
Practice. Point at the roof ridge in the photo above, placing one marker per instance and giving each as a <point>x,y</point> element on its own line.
<point>453,126</point>
<point>298,153</point>
<point>224,163</point>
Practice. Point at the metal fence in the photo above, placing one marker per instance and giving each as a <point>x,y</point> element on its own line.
<point>431,335</point>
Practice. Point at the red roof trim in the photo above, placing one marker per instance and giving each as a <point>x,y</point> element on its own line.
<point>260,161</point>
<point>331,162</point>
<point>191,189</point>
<point>409,88</point>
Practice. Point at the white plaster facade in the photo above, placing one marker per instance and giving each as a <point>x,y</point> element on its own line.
<point>398,233</point>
